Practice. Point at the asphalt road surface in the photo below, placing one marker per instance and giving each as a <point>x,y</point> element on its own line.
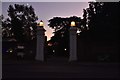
<point>58,68</point>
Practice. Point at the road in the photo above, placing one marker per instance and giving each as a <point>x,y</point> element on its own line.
<point>59,69</point>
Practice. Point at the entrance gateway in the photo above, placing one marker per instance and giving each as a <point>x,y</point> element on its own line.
<point>41,40</point>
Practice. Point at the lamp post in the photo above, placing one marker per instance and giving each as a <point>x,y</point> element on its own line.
<point>40,41</point>
<point>73,40</point>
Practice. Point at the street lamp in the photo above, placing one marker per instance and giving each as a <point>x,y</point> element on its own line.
<point>41,23</point>
<point>73,24</point>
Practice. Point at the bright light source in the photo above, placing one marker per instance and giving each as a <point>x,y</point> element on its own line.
<point>31,28</point>
<point>11,51</point>
<point>65,49</point>
<point>78,31</point>
<point>41,23</point>
<point>53,50</point>
<point>72,23</point>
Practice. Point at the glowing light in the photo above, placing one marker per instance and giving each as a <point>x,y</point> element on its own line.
<point>78,31</point>
<point>53,50</point>
<point>65,49</point>
<point>49,44</point>
<point>31,28</point>
<point>11,51</point>
<point>41,23</point>
<point>73,24</point>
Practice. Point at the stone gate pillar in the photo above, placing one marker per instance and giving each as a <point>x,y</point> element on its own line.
<point>73,46</point>
<point>40,42</point>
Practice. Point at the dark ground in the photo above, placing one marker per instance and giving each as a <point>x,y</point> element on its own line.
<point>58,68</point>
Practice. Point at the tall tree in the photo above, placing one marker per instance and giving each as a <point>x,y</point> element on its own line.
<point>103,22</point>
<point>102,18</point>
<point>23,21</point>
<point>61,32</point>
<point>58,23</point>
<point>61,25</point>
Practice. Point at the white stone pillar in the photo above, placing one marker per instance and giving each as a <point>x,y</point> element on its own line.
<point>73,46</point>
<point>40,43</point>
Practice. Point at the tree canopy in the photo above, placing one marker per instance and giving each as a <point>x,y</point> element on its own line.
<point>57,23</point>
<point>61,26</point>
<point>22,21</point>
<point>102,19</point>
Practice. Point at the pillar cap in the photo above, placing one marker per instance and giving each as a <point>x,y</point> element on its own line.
<point>73,24</point>
<point>40,24</point>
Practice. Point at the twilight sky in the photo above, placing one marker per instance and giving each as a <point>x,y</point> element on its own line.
<point>48,10</point>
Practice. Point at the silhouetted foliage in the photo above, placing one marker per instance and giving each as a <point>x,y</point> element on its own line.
<point>22,20</point>
<point>20,26</point>
<point>102,19</point>
<point>6,28</point>
<point>61,32</point>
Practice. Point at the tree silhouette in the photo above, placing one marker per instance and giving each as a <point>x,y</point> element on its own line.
<point>61,32</point>
<point>84,21</point>
<point>58,23</point>
<point>20,26</point>
<point>22,21</point>
<point>6,28</point>
<point>102,18</point>
<point>103,23</point>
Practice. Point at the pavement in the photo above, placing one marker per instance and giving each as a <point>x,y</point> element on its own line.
<point>58,68</point>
